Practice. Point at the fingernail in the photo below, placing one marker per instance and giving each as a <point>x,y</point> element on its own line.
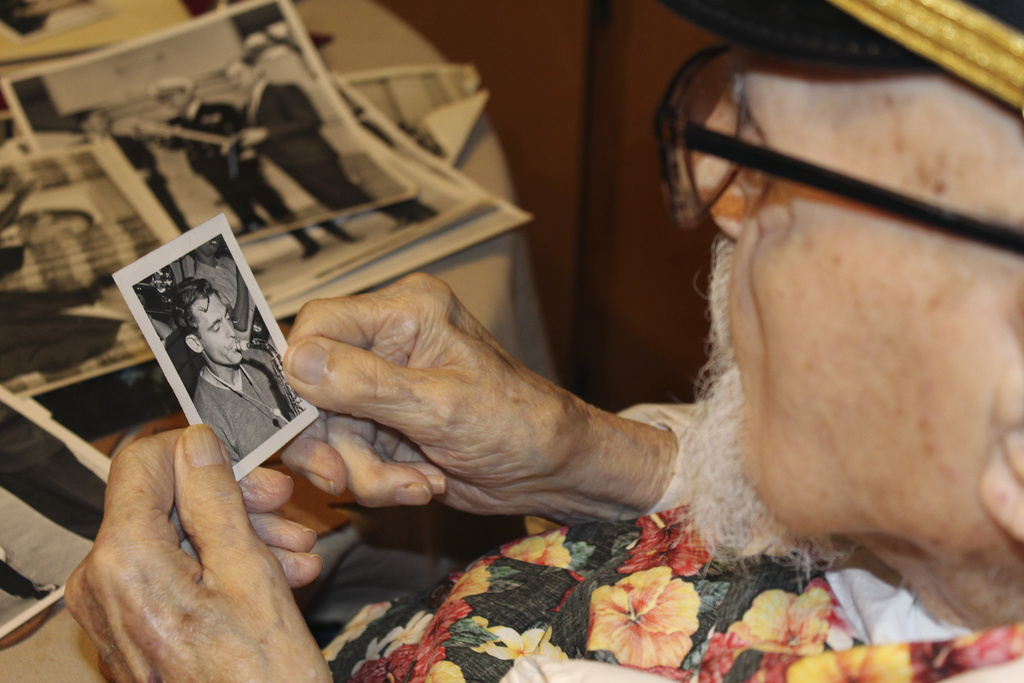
<point>306,361</point>
<point>414,494</point>
<point>317,558</point>
<point>325,485</point>
<point>303,528</point>
<point>438,483</point>
<point>203,447</point>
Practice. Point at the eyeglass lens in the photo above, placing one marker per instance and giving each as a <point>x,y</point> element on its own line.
<point>705,92</point>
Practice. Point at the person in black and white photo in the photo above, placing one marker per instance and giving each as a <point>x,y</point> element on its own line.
<point>98,124</point>
<point>43,274</point>
<point>212,261</point>
<point>43,488</point>
<point>240,396</point>
<point>15,583</point>
<point>211,134</point>
<point>41,470</point>
<point>205,131</point>
<point>285,125</point>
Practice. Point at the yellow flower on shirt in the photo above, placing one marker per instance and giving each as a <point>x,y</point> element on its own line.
<point>546,549</point>
<point>475,581</point>
<point>645,619</point>
<point>445,672</point>
<point>778,621</point>
<point>509,645</point>
<point>355,628</point>
<point>879,664</point>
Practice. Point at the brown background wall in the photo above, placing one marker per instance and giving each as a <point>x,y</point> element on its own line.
<point>574,85</point>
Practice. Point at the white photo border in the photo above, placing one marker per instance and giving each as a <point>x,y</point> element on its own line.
<point>131,275</point>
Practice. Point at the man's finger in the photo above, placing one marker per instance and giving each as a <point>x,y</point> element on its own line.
<point>278,532</point>
<point>351,381</point>
<point>300,569</point>
<point>375,483</point>
<point>314,460</point>
<point>387,319</point>
<point>210,506</point>
<point>265,490</point>
<point>141,480</point>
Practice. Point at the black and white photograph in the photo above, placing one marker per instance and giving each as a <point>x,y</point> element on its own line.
<point>22,20</point>
<point>442,205</point>
<point>68,220</point>
<point>231,112</point>
<point>437,105</point>
<point>450,213</point>
<point>199,307</point>
<point>51,500</point>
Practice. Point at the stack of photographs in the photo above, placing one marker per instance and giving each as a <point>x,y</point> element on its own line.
<point>327,189</point>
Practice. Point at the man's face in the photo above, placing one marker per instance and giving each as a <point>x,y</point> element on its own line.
<point>881,362</point>
<point>216,335</point>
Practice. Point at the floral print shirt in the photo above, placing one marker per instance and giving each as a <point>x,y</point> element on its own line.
<point>644,594</point>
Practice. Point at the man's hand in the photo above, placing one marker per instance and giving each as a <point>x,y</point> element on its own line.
<point>421,401</point>
<point>156,612</point>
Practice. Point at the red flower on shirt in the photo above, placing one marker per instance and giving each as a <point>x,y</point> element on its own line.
<point>394,667</point>
<point>431,648</point>
<point>676,546</point>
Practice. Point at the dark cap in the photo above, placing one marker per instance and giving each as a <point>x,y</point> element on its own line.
<point>980,41</point>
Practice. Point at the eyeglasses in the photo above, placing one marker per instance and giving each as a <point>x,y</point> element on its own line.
<point>709,87</point>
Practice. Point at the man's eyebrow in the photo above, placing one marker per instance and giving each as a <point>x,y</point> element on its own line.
<point>201,308</point>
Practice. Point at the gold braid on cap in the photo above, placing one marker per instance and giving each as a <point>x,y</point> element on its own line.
<point>962,39</point>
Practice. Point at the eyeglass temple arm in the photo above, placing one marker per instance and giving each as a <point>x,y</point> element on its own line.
<point>701,139</point>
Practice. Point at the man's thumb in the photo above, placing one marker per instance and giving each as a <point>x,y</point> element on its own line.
<point>208,499</point>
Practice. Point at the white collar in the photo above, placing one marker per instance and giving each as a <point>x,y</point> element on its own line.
<point>885,610</point>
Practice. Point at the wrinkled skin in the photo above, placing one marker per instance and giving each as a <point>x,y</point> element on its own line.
<point>219,609</point>
<point>421,401</point>
<point>882,361</point>
<point>439,409</point>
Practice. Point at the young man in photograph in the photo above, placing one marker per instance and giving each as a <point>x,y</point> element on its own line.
<point>238,396</point>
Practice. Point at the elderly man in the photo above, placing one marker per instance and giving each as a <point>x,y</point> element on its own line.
<point>868,253</point>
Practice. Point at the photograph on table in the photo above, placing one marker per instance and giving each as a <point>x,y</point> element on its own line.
<point>51,501</point>
<point>443,204</point>
<point>23,20</point>
<point>199,307</point>
<point>68,220</point>
<point>232,112</point>
<point>437,105</point>
<point>451,213</point>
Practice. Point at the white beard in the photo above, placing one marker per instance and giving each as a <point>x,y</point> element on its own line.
<point>723,501</point>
